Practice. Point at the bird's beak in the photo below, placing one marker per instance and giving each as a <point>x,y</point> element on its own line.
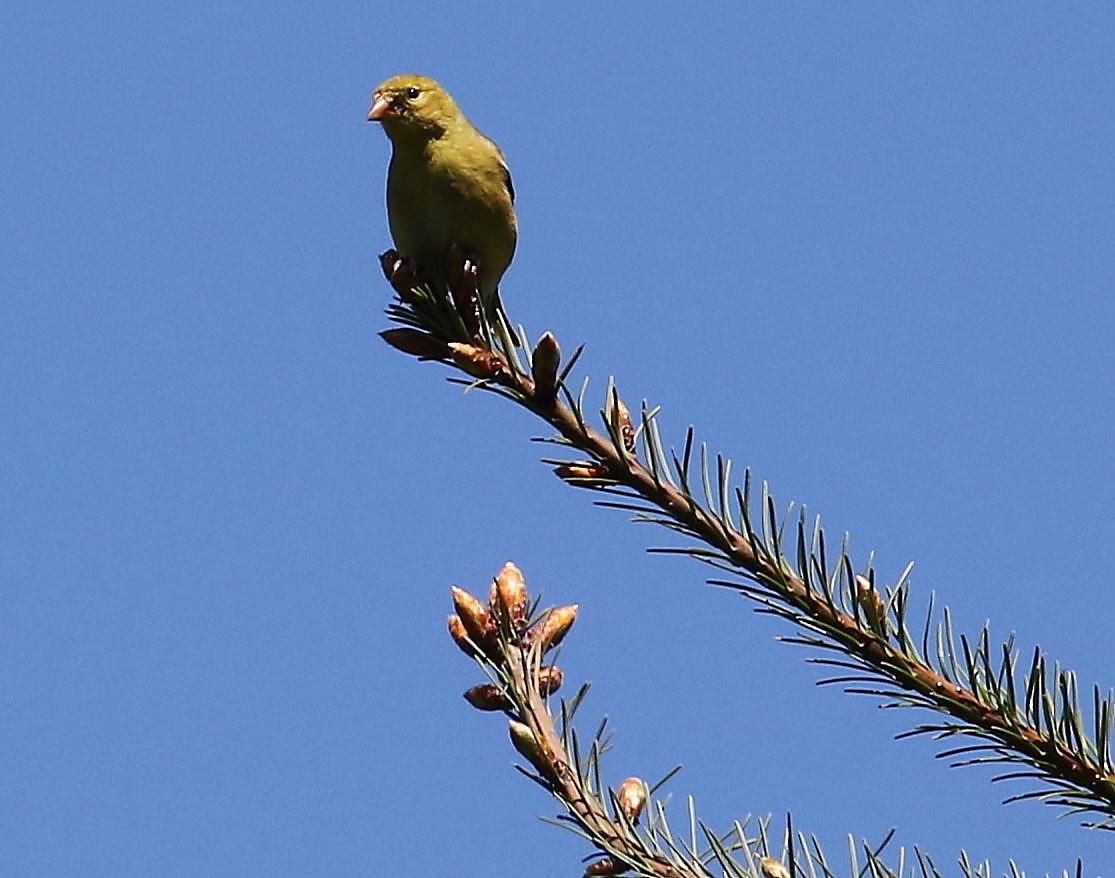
<point>380,110</point>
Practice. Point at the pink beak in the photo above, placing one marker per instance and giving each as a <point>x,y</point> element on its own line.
<point>380,109</point>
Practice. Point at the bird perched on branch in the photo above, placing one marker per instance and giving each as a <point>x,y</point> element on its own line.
<point>447,183</point>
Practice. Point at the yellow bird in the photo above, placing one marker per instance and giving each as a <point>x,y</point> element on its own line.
<point>447,183</point>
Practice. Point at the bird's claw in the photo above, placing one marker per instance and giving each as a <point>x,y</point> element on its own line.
<point>461,274</point>
<point>402,273</point>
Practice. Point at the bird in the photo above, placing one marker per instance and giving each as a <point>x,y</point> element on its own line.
<point>447,184</point>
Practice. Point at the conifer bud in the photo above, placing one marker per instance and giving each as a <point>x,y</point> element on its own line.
<point>477,362</point>
<point>544,362</point>
<point>511,596</point>
<point>549,679</point>
<point>632,797</point>
<point>621,422</point>
<point>416,343</point>
<point>580,471</point>
<point>871,602</point>
<point>523,740</point>
<point>460,637</point>
<point>772,868</point>
<point>487,696</point>
<point>552,628</point>
<point>477,622</point>
<point>604,868</point>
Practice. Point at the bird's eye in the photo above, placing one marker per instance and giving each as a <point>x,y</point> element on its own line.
<point>412,93</point>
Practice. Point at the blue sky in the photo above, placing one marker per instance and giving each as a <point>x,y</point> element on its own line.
<point>865,248</point>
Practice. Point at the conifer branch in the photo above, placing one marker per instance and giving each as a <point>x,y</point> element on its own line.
<point>1036,721</point>
<point>515,644</point>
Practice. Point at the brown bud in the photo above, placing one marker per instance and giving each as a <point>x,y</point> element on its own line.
<point>604,868</point>
<point>477,362</point>
<point>416,343</point>
<point>523,740</point>
<point>477,622</point>
<point>549,679</point>
<point>460,637</point>
<point>621,423</point>
<point>511,596</point>
<point>552,628</point>
<point>544,364</point>
<point>487,696</point>
<point>772,868</point>
<point>632,796</point>
<point>581,471</point>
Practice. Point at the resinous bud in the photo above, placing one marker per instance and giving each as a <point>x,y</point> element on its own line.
<point>549,679</point>
<point>552,628</point>
<point>477,621</point>
<point>487,696</point>
<point>460,636</point>
<point>632,797</point>
<point>523,740</point>
<point>621,422</point>
<point>544,362</point>
<point>416,343</point>
<point>581,471</point>
<point>477,362</point>
<point>511,596</point>
<point>604,868</point>
<point>772,868</point>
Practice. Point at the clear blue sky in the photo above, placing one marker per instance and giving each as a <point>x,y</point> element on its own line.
<point>865,248</point>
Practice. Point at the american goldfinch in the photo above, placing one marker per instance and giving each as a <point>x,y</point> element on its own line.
<point>447,183</point>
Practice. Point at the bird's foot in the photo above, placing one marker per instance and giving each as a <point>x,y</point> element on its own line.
<point>461,273</point>
<point>402,273</point>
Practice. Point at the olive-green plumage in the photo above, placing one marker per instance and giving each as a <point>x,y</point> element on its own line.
<point>447,183</point>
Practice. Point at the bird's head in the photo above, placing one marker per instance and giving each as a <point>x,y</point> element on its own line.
<point>412,105</point>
